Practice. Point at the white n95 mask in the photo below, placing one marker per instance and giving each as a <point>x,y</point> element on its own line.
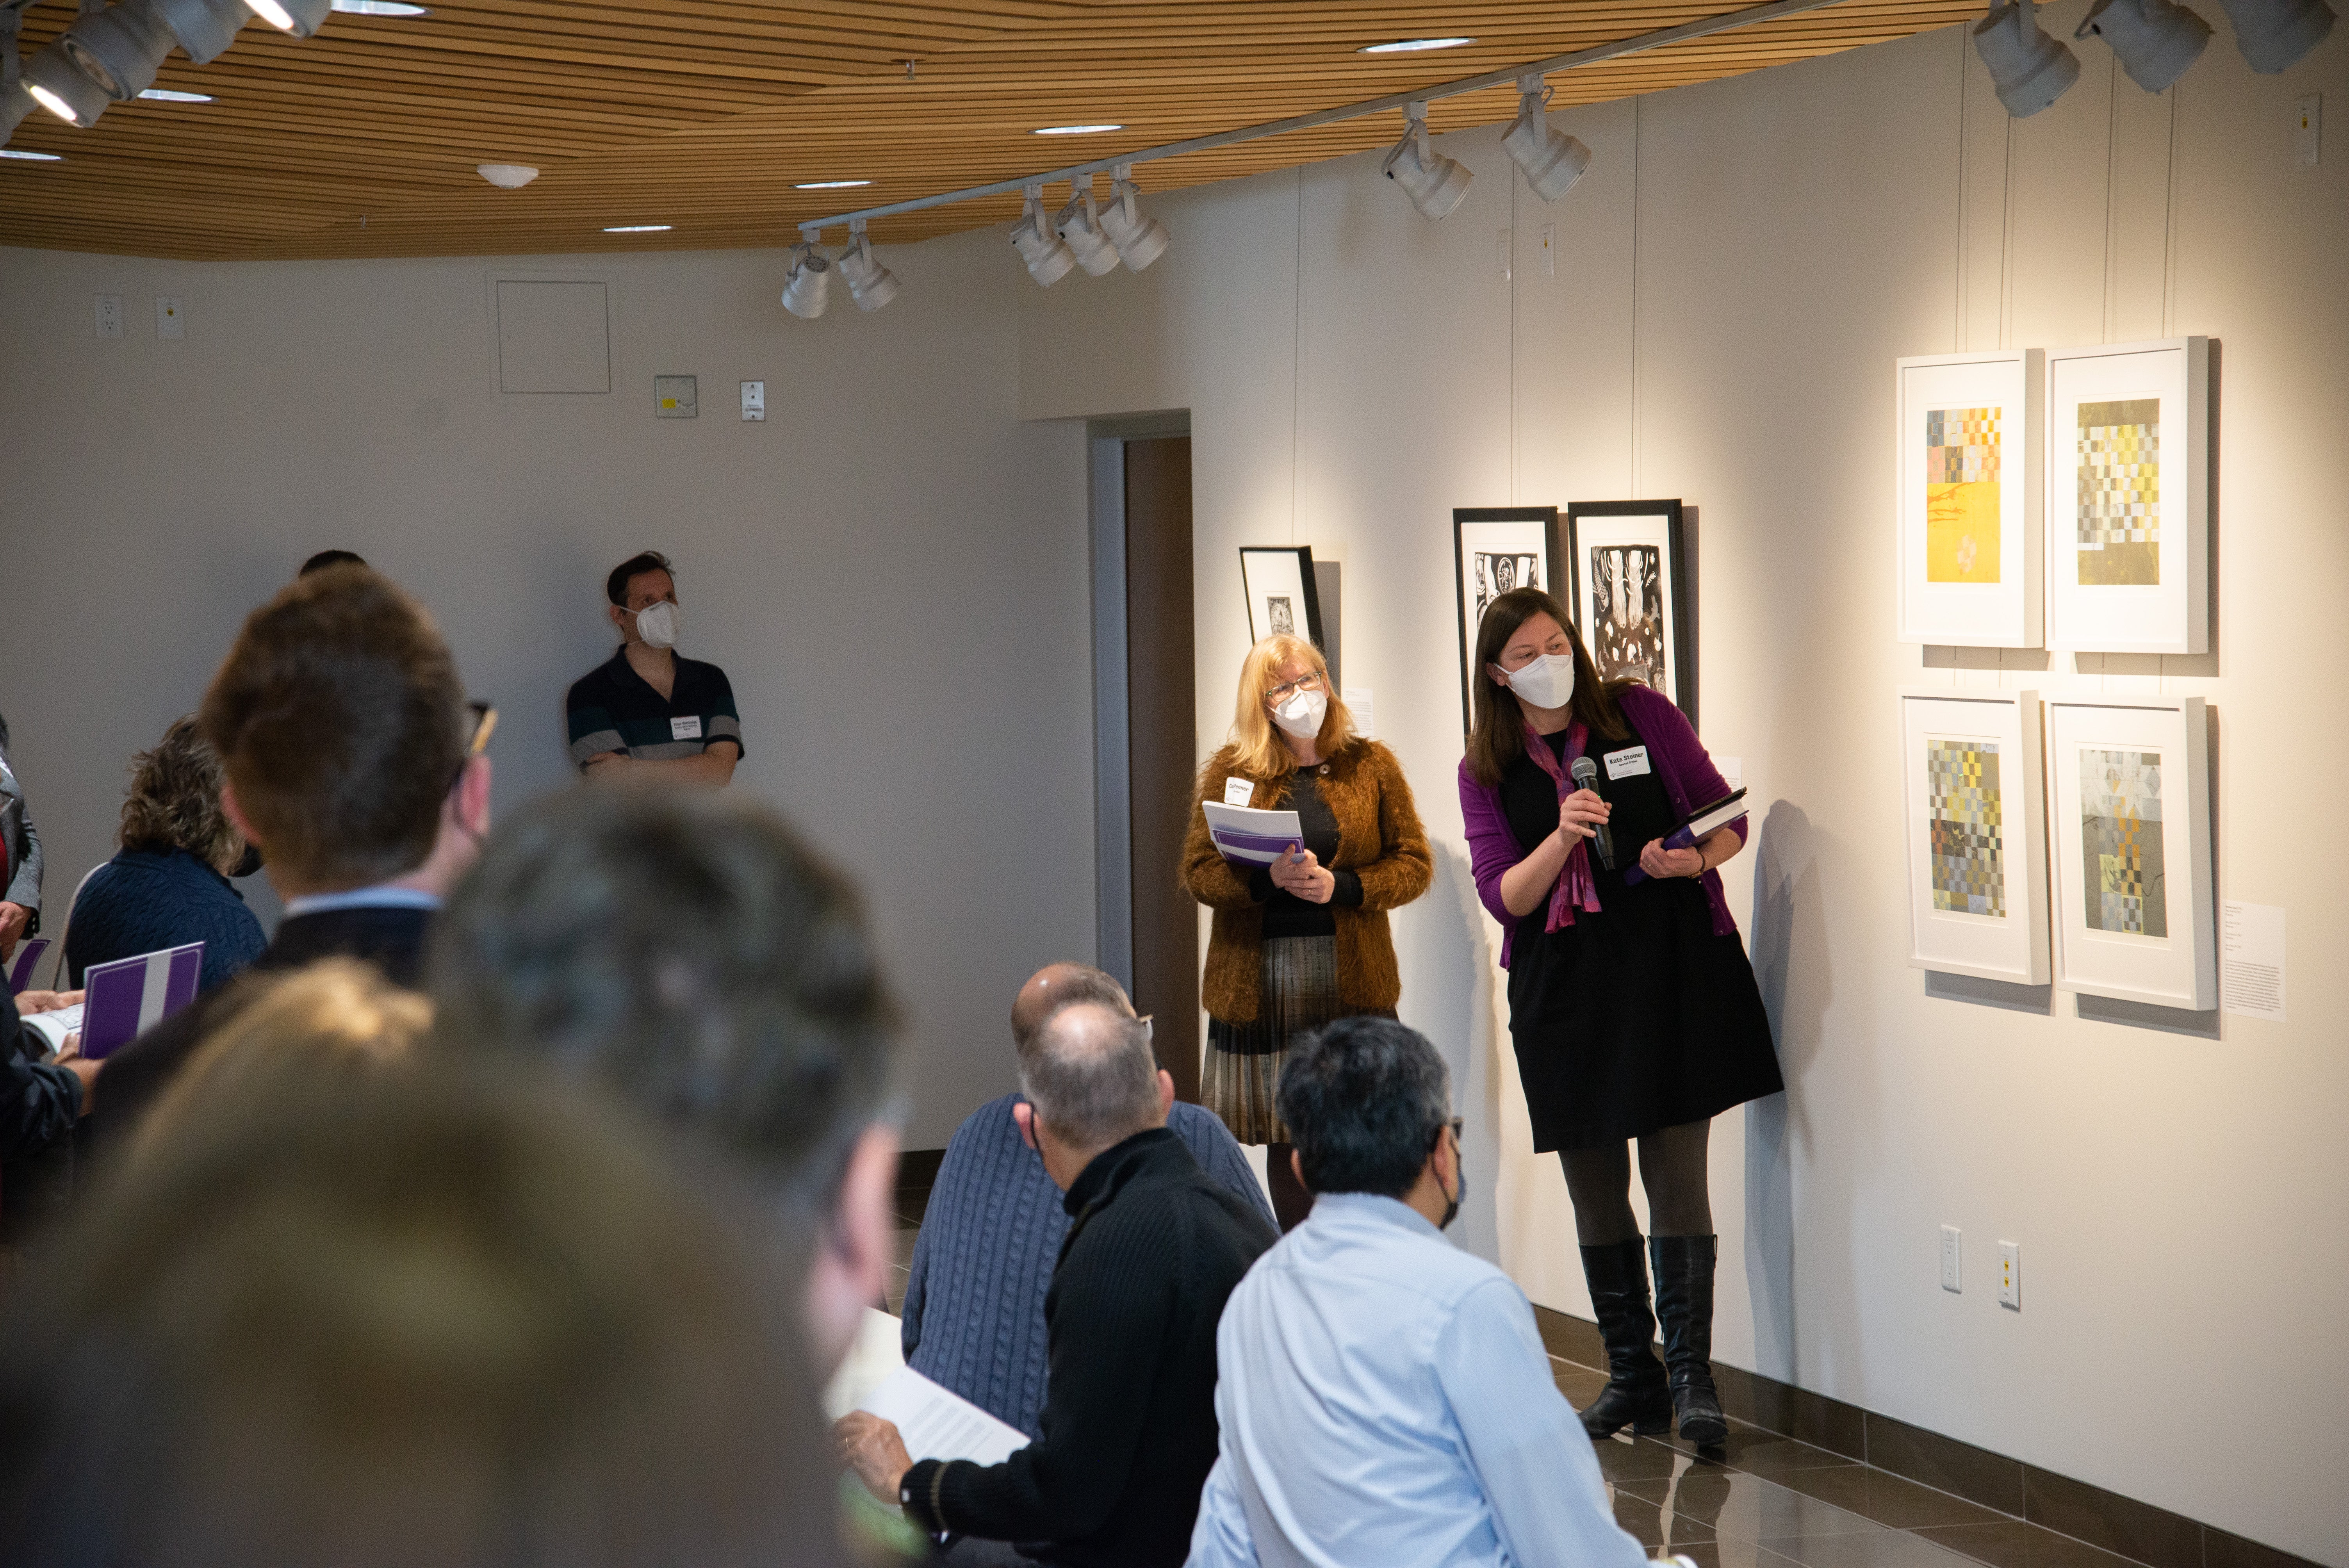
<point>1302,714</point>
<point>1546,681</point>
<point>659,624</point>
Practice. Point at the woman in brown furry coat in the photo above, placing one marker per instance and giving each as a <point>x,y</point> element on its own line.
<point>1304,940</point>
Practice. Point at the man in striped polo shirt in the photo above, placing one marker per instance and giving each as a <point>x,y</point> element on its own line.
<point>647,715</point>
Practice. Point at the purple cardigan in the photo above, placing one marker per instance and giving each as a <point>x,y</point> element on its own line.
<point>1688,778</point>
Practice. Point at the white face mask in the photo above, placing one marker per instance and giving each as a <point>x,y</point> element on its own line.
<point>657,625</point>
<point>1302,714</point>
<point>1546,681</point>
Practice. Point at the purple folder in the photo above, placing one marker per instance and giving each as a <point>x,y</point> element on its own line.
<point>28,953</point>
<point>130,995</point>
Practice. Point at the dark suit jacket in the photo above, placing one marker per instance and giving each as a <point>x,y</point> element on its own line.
<point>390,939</point>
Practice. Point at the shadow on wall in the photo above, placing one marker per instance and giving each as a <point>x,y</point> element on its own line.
<point>1789,927</point>
<point>1448,996</point>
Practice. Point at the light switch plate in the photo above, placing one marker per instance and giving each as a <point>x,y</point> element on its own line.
<point>170,317</point>
<point>755,400</point>
<point>110,317</point>
<point>1953,1274</point>
<point>2308,130</point>
<point>673,397</point>
<point>2010,1275</point>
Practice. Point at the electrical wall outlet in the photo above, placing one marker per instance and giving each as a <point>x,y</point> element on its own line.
<point>1952,1276</point>
<point>1549,250</point>
<point>2307,130</point>
<point>170,317</point>
<point>673,397</point>
<point>110,317</point>
<point>755,400</point>
<point>2010,1275</point>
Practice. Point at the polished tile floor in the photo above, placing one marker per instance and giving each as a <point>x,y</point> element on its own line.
<point>1761,1501</point>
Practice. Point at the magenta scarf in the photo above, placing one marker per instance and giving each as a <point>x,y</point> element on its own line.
<point>1575,888</point>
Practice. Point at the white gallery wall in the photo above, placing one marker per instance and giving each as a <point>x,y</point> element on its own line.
<point>1732,281</point>
<point>892,567</point>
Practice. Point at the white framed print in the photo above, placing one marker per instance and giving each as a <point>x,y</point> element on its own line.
<point>2133,917</point>
<point>1279,581</point>
<point>2128,497</point>
<point>1969,446</point>
<point>1977,832</point>
<point>1493,550</point>
<point>1630,593</point>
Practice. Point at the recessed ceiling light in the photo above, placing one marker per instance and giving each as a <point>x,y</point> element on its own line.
<point>166,95</point>
<point>829,184</point>
<point>379,9</point>
<point>1412,46</point>
<point>635,228</point>
<point>1075,129</point>
<point>32,157</point>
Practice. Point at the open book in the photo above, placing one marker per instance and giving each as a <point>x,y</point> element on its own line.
<point>51,1029</point>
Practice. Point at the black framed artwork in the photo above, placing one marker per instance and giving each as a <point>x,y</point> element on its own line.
<point>1281,596</point>
<point>1493,550</point>
<point>1630,597</point>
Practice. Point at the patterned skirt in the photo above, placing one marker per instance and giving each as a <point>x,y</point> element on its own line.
<point>1241,1075</point>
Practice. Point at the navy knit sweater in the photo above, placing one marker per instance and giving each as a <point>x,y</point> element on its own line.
<point>975,1300</point>
<point>141,901</point>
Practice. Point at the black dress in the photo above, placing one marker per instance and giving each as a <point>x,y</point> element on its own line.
<point>1637,1018</point>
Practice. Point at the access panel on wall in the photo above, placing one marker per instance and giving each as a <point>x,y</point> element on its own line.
<point>2128,497</point>
<point>2132,853</point>
<point>1280,593</point>
<point>1976,832</point>
<point>1967,464</point>
<point>1630,592</point>
<point>1493,550</point>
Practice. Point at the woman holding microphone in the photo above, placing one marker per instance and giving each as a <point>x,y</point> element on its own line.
<point>1632,1007</point>
<point>1304,941</point>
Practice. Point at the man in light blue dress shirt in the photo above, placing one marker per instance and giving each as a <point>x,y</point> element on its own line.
<point>1381,1395</point>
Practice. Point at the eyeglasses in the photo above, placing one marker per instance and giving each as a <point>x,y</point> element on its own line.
<point>1287,689</point>
<point>1454,1125</point>
<point>1149,1025</point>
<point>485,724</point>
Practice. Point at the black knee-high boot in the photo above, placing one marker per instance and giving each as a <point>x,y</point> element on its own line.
<point>1684,1303</point>
<point>1636,1393</point>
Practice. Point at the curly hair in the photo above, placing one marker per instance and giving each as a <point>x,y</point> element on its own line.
<point>174,799</point>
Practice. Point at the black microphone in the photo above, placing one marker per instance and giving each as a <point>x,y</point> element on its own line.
<point>1586,776</point>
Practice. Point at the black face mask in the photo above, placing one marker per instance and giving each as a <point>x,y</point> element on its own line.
<point>249,864</point>
<point>1452,1201</point>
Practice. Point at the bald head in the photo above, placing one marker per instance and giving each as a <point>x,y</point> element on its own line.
<point>1055,986</point>
<point>1091,1074</point>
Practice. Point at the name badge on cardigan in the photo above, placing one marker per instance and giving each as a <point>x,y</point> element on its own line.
<point>1239,791</point>
<point>687,728</point>
<point>1628,763</point>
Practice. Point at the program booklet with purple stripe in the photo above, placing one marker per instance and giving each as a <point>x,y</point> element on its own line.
<point>129,996</point>
<point>28,953</point>
<point>1249,837</point>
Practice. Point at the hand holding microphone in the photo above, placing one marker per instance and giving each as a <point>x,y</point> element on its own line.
<point>1584,773</point>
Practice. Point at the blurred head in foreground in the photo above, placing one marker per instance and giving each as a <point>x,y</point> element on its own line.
<point>690,952</point>
<point>417,1319</point>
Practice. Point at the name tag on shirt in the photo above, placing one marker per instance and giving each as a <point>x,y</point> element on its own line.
<point>690,729</point>
<point>1239,791</point>
<point>1628,763</point>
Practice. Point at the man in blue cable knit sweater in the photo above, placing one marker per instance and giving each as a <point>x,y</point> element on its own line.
<point>974,1312</point>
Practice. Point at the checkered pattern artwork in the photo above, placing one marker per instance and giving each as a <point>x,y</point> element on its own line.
<point>1962,504</point>
<point>1961,446</point>
<point>1968,848</point>
<point>2120,841</point>
<point>2119,520</point>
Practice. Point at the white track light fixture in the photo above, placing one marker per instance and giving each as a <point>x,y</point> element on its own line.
<point>810,278</point>
<point>1550,160</point>
<point>2153,40</point>
<point>1434,183</point>
<point>119,49</point>
<point>58,86</point>
<point>1140,240</point>
<point>2030,69</point>
<point>870,284</point>
<point>1049,258</point>
<point>300,17</point>
<point>2273,34</point>
<point>205,28</point>
<point>1078,224</point>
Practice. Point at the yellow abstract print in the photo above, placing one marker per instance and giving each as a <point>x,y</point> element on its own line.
<point>2119,524</point>
<point>1962,508</point>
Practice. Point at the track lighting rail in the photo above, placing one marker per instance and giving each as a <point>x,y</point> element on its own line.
<point>1704,27</point>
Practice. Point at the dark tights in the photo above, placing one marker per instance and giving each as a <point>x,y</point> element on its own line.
<point>1291,1202</point>
<point>1672,1169</point>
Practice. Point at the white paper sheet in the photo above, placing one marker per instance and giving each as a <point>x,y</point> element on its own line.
<point>937,1424</point>
<point>2251,959</point>
<point>877,1354</point>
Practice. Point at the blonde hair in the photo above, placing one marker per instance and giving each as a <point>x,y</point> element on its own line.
<point>1260,752</point>
<point>336,1020</point>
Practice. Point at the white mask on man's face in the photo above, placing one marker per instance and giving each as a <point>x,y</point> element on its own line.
<point>1302,714</point>
<point>1548,681</point>
<point>659,624</point>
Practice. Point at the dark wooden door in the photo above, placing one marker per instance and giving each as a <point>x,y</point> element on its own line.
<point>1163,732</point>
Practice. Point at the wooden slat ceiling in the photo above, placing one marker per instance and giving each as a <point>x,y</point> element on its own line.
<point>704,114</point>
